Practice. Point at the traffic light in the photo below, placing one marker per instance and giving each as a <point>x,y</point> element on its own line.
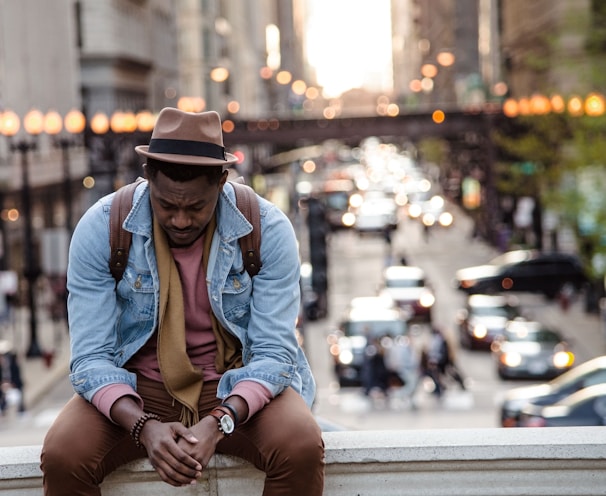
<point>318,229</point>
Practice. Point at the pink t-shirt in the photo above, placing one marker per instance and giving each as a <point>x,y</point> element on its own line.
<point>199,336</point>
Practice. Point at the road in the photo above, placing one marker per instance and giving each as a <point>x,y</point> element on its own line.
<point>355,270</point>
<point>355,265</point>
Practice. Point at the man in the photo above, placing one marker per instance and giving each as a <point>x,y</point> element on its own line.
<point>187,355</point>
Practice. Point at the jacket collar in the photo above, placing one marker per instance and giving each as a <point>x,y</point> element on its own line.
<point>231,223</point>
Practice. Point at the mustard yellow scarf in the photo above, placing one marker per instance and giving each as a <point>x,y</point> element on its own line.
<point>182,380</point>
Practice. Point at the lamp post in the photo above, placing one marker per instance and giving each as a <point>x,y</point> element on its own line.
<point>111,142</point>
<point>74,123</point>
<point>33,125</point>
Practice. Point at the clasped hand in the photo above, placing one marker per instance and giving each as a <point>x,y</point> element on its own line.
<point>179,454</point>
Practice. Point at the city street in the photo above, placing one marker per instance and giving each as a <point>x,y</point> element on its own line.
<point>355,265</point>
<point>355,268</point>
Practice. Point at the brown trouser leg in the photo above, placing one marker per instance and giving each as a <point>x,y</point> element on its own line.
<point>283,440</point>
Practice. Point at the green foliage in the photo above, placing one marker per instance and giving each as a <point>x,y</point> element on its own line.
<point>563,148</point>
<point>433,150</point>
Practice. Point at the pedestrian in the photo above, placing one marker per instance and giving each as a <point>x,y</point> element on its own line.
<point>187,355</point>
<point>440,362</point>
<point>11,382</point>
<point>375,374</point>
<point>405,361</point>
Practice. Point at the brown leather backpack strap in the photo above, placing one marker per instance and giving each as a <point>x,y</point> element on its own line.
<point>248,204</point>
<point>119,238</point>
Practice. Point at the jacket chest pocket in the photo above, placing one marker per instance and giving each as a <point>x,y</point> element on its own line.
<point>236,297</point>
<point>136,289</point>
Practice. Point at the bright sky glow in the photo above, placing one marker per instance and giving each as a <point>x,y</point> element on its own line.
<point>349,44</point>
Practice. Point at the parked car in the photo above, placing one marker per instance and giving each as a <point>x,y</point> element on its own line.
<point>581,376</point>
<point>483,318</point>
<point>407,286</point>
<point>365,318</point>
<point>585,407</point>
<point>531,350</point>
<point>524,270</point>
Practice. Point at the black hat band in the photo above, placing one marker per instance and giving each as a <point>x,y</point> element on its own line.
<point>187,147</point>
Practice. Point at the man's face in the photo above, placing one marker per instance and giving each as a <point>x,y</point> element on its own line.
<point>184,209</point>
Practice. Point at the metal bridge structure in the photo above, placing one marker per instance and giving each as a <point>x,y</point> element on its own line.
<point>292,132</point>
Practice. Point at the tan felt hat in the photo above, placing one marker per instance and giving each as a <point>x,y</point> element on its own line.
<point>187,138</point>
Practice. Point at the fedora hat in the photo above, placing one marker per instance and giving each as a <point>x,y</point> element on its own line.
<point>187,138</point>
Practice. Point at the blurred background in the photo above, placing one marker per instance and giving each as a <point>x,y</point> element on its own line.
<point>433,133</point>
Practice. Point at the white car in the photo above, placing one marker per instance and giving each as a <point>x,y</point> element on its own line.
<point>377,212</point>
<point>406,285</point>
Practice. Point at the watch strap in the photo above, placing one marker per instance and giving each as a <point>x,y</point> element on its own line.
<point>218,413</point>
<point>233,411</point>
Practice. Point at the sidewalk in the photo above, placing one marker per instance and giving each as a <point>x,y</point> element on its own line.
<point>39,374</point>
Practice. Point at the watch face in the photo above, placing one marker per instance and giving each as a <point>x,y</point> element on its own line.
<point>227,424</point>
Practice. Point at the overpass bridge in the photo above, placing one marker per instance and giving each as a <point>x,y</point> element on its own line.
<point>291,132</point>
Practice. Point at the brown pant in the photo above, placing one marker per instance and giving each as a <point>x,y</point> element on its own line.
<point>283,440</point>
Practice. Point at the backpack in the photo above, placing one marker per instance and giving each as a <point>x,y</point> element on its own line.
<point>120,239</point>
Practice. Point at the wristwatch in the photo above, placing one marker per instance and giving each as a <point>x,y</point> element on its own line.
<point>225,422</point>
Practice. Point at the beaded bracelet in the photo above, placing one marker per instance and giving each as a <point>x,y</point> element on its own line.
<point>136,429</point>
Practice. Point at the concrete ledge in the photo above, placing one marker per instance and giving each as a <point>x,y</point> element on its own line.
<point>546,462</point>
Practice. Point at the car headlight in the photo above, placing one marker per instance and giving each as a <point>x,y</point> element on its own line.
<point>348,219</point>
<point>427,299</point>
<point>429,219</point>
<point>446,219</point>
<point>563,359</point>
<point>480,331</point>
<point>345,357</point>
<point>511,359</point>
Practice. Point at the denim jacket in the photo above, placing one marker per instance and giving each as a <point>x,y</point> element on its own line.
<point>108,324</point>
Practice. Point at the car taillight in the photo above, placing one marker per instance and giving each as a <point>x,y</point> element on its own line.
<point>534,422</point>
<point>509,422</point>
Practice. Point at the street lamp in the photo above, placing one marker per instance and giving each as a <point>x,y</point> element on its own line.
<point>33,123</point>
<point>73,123</point>
<point>111,149</point>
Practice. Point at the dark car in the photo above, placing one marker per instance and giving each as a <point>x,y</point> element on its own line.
<point>583,375</point>
<point>335,197</point>
<point>531,350</point>
<point>583,408</point>
<point>484,318</point>
<point>525,271</point>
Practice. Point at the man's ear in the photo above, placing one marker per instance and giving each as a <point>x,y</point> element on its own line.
<point>223,179</point>
<point>144,166</point>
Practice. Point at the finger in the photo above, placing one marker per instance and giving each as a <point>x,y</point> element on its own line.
<point>180,431</point>
<point>178,474</point>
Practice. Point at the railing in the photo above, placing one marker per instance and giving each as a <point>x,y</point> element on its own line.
<point>547,462</point>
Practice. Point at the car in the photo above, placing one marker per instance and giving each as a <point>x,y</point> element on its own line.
<point>335,197</point>
<point>407,286</point>
<point>431,212</point>
<point>483,318</point>
<point>531,350</point>
<point>530,271</point>
<point>582,408</point>
<point>374,211</point>
<point>364,319</point>
<point>583,375</point>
